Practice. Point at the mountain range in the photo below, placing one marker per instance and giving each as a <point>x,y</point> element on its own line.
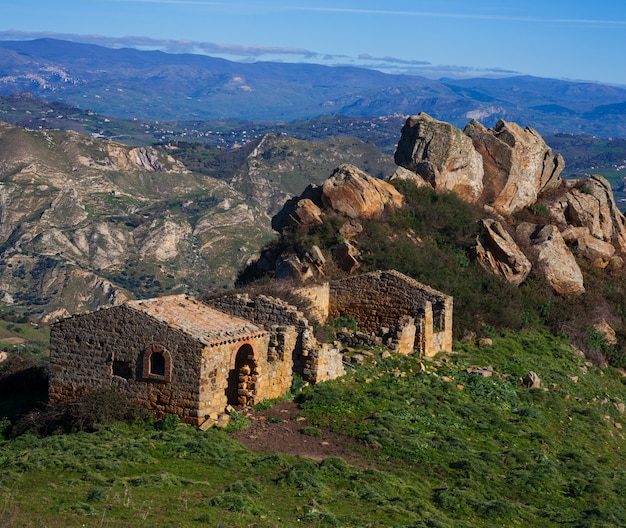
<point>129,83</point>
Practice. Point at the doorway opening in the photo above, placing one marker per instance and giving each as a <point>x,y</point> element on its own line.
<point>241,389</point>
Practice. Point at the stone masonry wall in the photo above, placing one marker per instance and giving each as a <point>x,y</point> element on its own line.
<point>105,349</point>
<point>217,362</point>
<point>313,361</point>
<point>318,296</point>
<point>279,365</point>
<point>379,299</point>
<point>269,311</point>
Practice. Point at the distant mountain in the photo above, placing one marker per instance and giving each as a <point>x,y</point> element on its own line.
<point>152,85</point>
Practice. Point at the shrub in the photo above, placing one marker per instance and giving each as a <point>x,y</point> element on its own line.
<point>86,413</point>
<point>345,321</point>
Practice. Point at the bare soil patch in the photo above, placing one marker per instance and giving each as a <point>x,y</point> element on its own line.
<point>280,430</point>
<point>12,341</point>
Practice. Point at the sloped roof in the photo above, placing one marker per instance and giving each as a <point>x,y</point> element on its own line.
<point>195,318</point>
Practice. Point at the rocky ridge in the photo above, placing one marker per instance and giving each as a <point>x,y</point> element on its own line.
<point>509,171</point>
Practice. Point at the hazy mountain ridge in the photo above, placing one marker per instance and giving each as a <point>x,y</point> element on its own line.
<point>154,85</point>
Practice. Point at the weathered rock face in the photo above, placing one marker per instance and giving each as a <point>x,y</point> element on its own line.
<point>589,204</point>
<point>308,214</point>
<point>346,257</point>
<point>442,155</point>
<point>517,164</point>
<point>402,174</point>
<point>498,253</point>
<point>354,193</point>
<point>348,191</point>
<point>551,257</point>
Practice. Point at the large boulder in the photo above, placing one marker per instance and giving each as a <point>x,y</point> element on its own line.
<point>498,253</point>
<point>300,211</point>
<point>354,193</point>
<point>517,164</point>
<point>589,203</point>
<point>551,258</point>
<point>442,155</point>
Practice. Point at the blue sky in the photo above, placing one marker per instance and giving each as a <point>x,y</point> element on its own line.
<point>569,39</point>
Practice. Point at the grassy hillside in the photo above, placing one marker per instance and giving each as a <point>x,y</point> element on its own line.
<point>440,446</point>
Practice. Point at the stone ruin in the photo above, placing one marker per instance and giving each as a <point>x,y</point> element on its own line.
<point>178,355</point>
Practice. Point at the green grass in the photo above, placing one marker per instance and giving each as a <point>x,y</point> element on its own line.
<point>449,448</point>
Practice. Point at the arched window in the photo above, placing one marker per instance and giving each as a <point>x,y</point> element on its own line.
<point>157,363</point>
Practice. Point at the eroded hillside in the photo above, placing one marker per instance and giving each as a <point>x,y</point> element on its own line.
<point>86,222</point>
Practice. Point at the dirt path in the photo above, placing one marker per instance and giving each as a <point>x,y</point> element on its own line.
<point>279,430</point>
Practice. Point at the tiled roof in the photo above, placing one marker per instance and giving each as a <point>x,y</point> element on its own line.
<point>195,318</point>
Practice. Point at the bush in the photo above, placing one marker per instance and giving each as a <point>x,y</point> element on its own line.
<point>86,413</point>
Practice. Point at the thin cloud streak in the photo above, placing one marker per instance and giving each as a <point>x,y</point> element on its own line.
<point>390,12</point>
<point>462,16</point>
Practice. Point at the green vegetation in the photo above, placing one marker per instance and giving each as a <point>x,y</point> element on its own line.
<point>446,447</point>
<point>432,238</point>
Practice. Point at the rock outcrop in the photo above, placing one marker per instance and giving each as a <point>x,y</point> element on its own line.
<point>352,192</point>
<point>589,203</point>
<point>506,169</point>
<point>498,253</point>
<point>551,258</point>
<point>506,166</point>
<point>348,191</point>
<point>517,164</point>
<point>442,155</point>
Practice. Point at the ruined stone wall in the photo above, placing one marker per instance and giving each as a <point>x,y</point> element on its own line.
<point>379,299</point>
<point>318,296</point>
<point>325,363</point>
<point>260,310</point>
<point>270,376</point>
<point>106,349</point>
<point>270,311</point>
<point>279,366</point>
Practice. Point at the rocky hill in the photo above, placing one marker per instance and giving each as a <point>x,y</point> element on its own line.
<point>86,222</point>
<point>462,203</point>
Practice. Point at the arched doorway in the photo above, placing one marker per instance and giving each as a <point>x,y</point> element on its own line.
<point>242,378</point>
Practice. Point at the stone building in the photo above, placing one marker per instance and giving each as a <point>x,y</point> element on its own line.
<point>420,315</point>
<point>177,355</point>
<point>173,355</point>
